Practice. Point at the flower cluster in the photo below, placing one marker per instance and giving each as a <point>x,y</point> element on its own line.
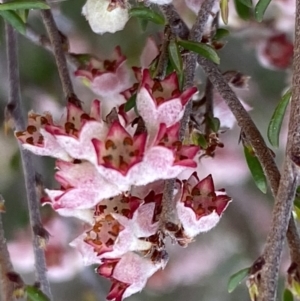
<point>112,170</point>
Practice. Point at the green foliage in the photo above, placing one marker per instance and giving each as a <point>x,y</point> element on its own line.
<point>201,141</point>
<point>35,294</point>
<point>247,3</point>
<point>255,169</point>
<point>24,4</point>
<point>131,102</point>
<point>243,10</point>
<point>224,10</point>
<point>260,9</point>
<point>14,20</point>
<point>220,34</point>
<point>287,295</point>
<point>214,124</point>
<point>236,279</point>
<point>148,14</point>
<point>175,56</point>
<point>202,49</point>
<point>277,118</point>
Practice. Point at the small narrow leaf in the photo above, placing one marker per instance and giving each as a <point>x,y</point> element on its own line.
<point>277,118</point>
<point>255,169</point>
<point>202,49</point>
<point>14,20</point>
<point>23,13</point>
<point>131,102</point>
<point>287,295</point>
<point>147,14</point>
<point>35,294</point>
<point>24,4</point>
<point>214,123</point>
<point>242,10</point>
<point>260,9</point>
<point>224,10</point>
<point>236,279</point>
<point>175,56</point>
<point>220,34</point>
<point>201,141</point>
<point>143,23</point>
<point>247,3</point>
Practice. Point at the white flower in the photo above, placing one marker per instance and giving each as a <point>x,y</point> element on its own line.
<point>103,18</point>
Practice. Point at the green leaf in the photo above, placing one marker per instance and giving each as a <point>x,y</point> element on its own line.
<point>277,118</point>
<point>35,294</point>
<point>24,4</point>
<point>14,20</point>
<point>236,279</point>
<point>202,49</point>
<point>247,3</point>
<point>201,141</point>
<point>175,56</point>
<point>214,123</point>
<point>131,102</point>
<point>260,9</point>
<point>220,34</point>
<point>147,14</point>
<point>242,10</point>
<point>287,295</point>
<point>224,10</point>
<point>256,169</point>
<point>23,13</point>
<point>143,23</point>
<point>15,160</point>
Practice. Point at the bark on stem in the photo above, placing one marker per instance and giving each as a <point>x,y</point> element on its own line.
<point>169,215</point>
<point>44,42</point>
<point>288,182</point>
<point>58,51</point>
<point>14,113</point>
<point>286,193</point>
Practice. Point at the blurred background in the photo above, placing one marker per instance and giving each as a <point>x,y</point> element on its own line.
<point>201,271</point>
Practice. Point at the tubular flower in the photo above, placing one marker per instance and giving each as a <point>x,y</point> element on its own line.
<point>200,206</point>
<point>129,274</point>
<point>161,101</point>
<point>82,187</point>
<point>106,15</point>
<point>106,77</point>
<point>276,52</point>
<point>71,138</point>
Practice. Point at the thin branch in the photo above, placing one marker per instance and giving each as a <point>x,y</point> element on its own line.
<point>57,42</point>
<point>178,27</point>
<point>163,58</point>
<point>288,182</point>
<point>7,287</point>
<point>244,121</point>
<point>169,214</point>
<point>14,112</point>
<point>209,105</point>
<point>196,34</point>
<point>284,199</point>
<point>44,42</point>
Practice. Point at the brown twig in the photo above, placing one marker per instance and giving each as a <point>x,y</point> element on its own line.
<point>44,42</point>
<point>178,27</point>
<point>14,112</point>
<point>282,208</point>
<point>169,213</point>
<point>163,58</point>
<point>57,42</point>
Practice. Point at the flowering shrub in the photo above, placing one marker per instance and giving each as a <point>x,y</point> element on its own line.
<point>134,167</point>
<point>101,164</point>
